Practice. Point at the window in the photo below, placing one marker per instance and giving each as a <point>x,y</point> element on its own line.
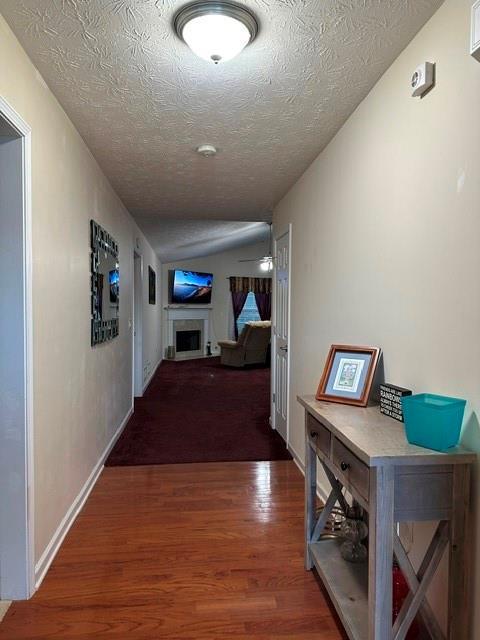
<point>249,312</point>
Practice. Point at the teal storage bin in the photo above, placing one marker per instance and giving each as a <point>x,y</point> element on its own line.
<point>433,421</point>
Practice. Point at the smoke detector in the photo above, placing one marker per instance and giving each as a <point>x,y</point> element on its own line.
<point>207,150</point>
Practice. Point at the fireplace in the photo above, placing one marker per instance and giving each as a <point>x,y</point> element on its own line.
<point>188,340</point>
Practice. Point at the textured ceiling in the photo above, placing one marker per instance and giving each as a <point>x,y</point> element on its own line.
<point>183,239</point>
<point>143,101</point>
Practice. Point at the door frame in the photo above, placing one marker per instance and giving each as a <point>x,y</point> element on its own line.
<point>277,234</point>
<point>137,368</point>
<point>19,583</point>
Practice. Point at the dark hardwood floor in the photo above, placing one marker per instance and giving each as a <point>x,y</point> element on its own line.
<point>189,552</point>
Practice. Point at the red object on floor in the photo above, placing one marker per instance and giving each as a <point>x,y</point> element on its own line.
<point>201,411</point>
<point>400,592</point>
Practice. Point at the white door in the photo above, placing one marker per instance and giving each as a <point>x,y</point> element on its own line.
<point>280,331</point>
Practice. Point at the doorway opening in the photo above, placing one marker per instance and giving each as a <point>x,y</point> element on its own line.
<point>17,572</point>
<point>137,325</point>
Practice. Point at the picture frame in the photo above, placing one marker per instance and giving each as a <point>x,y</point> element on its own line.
<point>152,286</point>
<point>348,374</point>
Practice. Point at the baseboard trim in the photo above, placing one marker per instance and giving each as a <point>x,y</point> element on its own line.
<point>321,492</point>
<point>150,378</point>
<point>4,605</point>
<point>58,537</point>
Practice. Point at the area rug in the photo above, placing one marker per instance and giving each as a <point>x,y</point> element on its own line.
<point>201,411</point>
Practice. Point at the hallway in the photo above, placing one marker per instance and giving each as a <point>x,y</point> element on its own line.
<point>197,552</point>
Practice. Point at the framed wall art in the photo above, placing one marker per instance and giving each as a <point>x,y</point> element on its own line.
<point>348,374</point>
<point>152,285</point>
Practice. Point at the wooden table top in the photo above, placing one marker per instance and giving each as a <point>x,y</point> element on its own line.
<point>377,439</point>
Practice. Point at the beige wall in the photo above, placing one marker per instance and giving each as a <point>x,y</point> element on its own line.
<point>222,265</point>
<point>386,230</point>
<point>81,395</point>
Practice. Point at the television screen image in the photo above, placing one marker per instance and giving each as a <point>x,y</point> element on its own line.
<point>191,287</point>
<point>114,280</point>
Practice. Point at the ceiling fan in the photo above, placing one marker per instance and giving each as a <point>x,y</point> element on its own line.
<point>266,261</point>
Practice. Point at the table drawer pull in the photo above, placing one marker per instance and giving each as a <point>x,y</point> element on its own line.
<point>319,435</point>
<point>356,473</point>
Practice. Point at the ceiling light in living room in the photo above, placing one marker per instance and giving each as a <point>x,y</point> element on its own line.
<point>267,263</point>
<point>216,31</point>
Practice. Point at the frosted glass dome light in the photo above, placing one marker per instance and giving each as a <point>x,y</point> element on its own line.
<point>216,31</point>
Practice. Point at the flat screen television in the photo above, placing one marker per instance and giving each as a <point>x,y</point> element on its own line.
<point>190,287</point>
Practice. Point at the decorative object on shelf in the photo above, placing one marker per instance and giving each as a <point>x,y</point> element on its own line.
<point>433,421</point>
<point>333,524</point>
<point>105,285</point>
<point>391,400</point>
<point>354,530</point>
<point>152,285</point>
<point>348,374</point>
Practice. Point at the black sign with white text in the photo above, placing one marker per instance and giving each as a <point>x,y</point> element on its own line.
<point>390,400</point>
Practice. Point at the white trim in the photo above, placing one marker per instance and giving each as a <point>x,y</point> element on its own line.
<point>150,377</point>
<point>63,528</point>
<point>24,130</point>
<point>4,606</point>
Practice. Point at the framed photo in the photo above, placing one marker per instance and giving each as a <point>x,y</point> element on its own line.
<point>348,374</point>
<point>152,285</point>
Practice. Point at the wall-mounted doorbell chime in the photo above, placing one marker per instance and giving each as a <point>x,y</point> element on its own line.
<point>423,79</point>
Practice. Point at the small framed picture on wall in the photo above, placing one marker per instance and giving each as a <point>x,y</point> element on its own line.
<point>348,374</point>
<point>152,285</point>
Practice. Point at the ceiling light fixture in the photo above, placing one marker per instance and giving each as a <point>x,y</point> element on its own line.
<point>207,150</point>
<point>216,31</point>
<point>267,263</point>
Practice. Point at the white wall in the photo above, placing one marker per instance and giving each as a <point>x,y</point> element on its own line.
<point>386,230</point>
<point>81,394</point>
<point>222,265</point>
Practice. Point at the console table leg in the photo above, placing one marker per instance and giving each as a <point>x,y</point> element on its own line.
<point>310,499</point>
<point>380,553</point>
<point>458,605</point>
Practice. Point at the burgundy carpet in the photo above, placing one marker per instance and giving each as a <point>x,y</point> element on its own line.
<point>200,411</point>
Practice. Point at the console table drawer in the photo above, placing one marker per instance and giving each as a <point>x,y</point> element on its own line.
<point>353,469</point>
<point>319,435</point>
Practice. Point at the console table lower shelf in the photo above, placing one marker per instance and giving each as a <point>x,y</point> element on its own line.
<point>346,583</point>
<point>366,454</point>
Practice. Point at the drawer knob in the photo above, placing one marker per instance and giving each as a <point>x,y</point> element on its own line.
<point>313,434</point>
<point>344,466</point>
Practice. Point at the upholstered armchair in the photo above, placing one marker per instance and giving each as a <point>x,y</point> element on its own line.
<point>251,346</point>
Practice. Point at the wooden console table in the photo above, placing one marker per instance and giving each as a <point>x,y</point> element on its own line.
<point>367,453</point>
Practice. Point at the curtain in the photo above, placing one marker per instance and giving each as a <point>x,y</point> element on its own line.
<point>238,300</point>
<point>246,284</point>
<point>264,305</point>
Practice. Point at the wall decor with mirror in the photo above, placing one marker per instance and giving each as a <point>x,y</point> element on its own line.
<point>105,284</point>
